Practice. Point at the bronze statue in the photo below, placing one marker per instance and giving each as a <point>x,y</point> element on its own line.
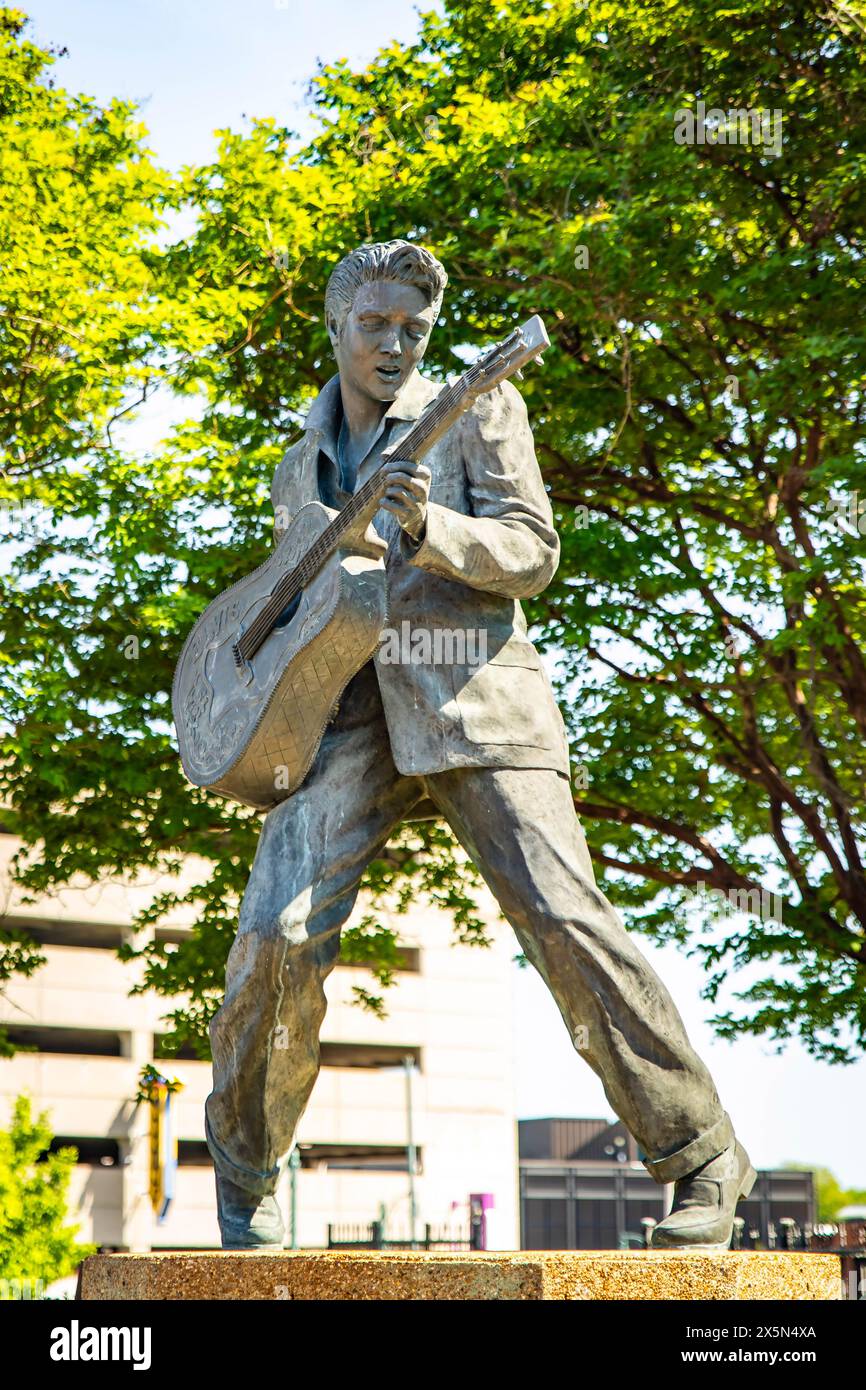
<point>465,535</point>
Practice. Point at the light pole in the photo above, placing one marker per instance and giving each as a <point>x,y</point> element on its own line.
<point>294,1165</point>
<point>409,1063</point>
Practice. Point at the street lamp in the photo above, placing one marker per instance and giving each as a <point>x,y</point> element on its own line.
<point>409,1064</point>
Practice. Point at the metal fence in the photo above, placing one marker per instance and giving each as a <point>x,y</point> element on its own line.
<point>372,1236</point>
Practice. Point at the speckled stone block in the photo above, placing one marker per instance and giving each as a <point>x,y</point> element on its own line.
<point>421,1274</point>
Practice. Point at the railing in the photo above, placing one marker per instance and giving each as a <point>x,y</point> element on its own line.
<point>371,1236</point>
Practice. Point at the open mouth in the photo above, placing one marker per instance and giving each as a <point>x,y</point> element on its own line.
<point>389,374</point>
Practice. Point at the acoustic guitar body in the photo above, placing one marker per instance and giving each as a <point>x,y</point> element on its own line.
<point>251,732</point>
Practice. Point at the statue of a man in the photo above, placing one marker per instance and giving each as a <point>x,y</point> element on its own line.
<point>470,533</point>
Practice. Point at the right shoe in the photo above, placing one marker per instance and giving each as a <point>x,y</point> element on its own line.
<point>247,1221</point>
<point>702,1215</point>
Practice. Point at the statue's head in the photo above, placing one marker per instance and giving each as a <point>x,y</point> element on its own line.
<point>381,304</point>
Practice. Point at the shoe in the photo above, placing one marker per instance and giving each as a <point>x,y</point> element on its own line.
<point>702,1215</point>
<point>247,1220</point>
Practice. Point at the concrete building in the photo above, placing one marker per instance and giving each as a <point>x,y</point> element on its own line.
<point>450,1010</point>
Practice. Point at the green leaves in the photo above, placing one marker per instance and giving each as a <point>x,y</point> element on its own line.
<point>36,1244</point>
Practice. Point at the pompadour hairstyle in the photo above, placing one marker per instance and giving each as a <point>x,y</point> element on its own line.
<point>384,260</point>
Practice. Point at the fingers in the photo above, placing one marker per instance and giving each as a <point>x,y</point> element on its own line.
<point>407,465</point>
<point>409,491</point>
<point>406,512</point>
<point>409,480</point>
<point>406,468</point>
<point>411,518</point>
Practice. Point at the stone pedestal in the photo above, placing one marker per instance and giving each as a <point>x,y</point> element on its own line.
<point>527,1274</point>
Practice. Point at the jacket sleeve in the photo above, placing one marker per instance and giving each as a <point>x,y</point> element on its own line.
<point>508,544</point>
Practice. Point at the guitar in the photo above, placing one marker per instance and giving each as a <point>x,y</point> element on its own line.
<point>264,666</point>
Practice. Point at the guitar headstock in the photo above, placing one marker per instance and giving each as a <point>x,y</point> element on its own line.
<point>507,358</point>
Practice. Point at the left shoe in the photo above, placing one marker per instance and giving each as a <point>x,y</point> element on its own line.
<point>705,1202</point>
<point>247,1221</point>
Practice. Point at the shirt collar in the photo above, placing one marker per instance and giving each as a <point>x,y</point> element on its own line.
<point>326,412</point>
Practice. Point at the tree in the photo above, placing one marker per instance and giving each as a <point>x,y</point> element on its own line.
<point>830,1197</point>
<point>37,1245</point>
<point>698,421</point>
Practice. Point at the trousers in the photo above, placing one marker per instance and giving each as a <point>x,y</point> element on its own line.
<point>520,828</point>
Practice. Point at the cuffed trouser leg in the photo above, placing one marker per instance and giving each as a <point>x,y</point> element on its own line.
<point>312,852</point>
<point>694,1154</point>
<point>520,827</point>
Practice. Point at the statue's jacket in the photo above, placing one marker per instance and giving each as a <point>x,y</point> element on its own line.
<point>489,542</point>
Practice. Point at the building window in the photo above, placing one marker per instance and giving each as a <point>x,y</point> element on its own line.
<point>546,1224</point>
<point>193,1153</point>
<point>99,936</point>
<point>369,1158</point>
<point>74,1042</point>
<point>98,1153</point>
<point>342,1054</point>
<point>410,961</point>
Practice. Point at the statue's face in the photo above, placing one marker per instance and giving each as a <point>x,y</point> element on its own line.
<point>384,337</point>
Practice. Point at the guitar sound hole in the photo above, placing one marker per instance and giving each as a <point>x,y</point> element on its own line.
<point>288,612</point>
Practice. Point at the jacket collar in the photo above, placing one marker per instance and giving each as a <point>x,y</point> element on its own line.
<point>326,412</point>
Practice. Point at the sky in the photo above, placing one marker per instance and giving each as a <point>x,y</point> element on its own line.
<point>198,65</point>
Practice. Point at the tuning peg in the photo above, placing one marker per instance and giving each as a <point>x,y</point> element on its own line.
<point>519,374</point>
<point>539,361</point>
